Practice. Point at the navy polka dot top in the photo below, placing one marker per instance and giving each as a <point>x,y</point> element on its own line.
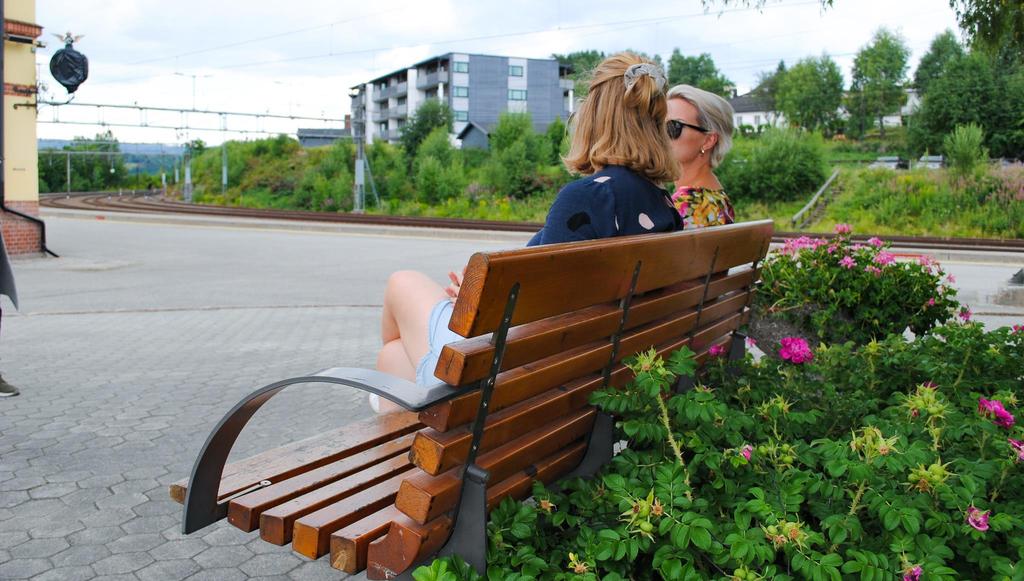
<point>612,202</point>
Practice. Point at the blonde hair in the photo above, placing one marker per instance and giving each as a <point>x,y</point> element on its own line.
<point>713,113</point>
<point>622,123</point>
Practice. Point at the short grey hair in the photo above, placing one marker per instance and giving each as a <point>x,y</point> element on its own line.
<point>713,112</point>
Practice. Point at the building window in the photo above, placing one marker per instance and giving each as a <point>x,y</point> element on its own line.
<point>757,120</point>
<point>460,91</point>
<point>516,95</point>
<point>383,128</point>
<point>515,70</point>
<point>460,67</point>
<point>461,115</point>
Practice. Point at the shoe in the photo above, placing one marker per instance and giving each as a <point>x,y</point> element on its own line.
<point>6,389</point>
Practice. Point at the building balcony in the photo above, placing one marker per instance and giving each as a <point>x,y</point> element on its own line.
<point>398,112</point>
<point>380,115</point>
<point>431,80</point>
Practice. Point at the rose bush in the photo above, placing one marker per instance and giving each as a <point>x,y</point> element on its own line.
<point>898,459</point>
<point>837,290</point>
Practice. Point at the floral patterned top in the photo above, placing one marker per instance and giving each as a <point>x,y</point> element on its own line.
<point>701,207</point>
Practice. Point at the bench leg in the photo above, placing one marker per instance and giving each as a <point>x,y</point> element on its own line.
<point>600,448</point>
<point>736,352</point>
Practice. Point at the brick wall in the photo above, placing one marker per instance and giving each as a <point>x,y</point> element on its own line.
<point>21,235</point>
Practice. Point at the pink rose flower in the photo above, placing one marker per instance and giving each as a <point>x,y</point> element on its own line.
<point>751,342</point>
<point>913,574</point>
<point>847,262</point>
<point>1018,329</point>
<point>842,229</point>
<point>931,302</point>
<point>746,451</point>
<point>873,270</point>
<point>875,241</point>
<point>716,350</point>
<point>951,279</point>
<point>885,258</point>
<point>795,350</point>
<point>977,518</point>
<point>994,409</point>
<point>1018,448</point>
<point>924,260</point>
<point>965,314</point>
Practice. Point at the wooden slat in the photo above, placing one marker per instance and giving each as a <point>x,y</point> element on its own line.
<point>312,534</point>
<point>298,457</point>
<point>467,361</point>
<point>600,271</point>
<point>423,497</point>
<point>409,542</point>
<point>244,512</point>
<point>276,523</point>
<point>530,380</point>
<point>349,545</point>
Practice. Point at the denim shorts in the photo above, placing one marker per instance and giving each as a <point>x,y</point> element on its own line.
<point>438,335</point>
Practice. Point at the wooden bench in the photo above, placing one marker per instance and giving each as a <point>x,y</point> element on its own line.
<point>546,327</point>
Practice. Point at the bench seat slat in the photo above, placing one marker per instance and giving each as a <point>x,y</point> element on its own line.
<point>467,361</point>
<point>244,512</point>
<point>423,497</point>
<point>601,272</point>
<point>409,542</point>
<point>349,545</point>
<point>304,455</point>
<point>312,533</point>
<point>276,524</point>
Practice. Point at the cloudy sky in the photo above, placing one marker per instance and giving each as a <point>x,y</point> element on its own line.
<point>300,57</point>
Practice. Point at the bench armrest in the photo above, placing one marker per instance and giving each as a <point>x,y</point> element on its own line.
<point>202,505</point>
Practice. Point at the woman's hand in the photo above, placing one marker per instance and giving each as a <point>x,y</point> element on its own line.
<point>453,289</point>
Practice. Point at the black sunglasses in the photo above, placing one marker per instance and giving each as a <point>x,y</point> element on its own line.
<point>675,128</point>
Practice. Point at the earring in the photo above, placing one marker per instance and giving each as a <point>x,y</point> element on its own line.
<point>702,151</point>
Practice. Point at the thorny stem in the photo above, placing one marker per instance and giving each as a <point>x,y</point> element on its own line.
<point>854,507</point>
<point>995,491</point>
<point>675,446</point>
<point>963,368</point>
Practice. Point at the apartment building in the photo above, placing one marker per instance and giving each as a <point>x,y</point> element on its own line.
<point>477,88</point>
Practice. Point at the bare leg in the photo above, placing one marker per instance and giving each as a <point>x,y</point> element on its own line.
<point>408,300</point>
<point>393,361</point>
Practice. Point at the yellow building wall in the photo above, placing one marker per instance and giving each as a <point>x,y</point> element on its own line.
<point>21,166</point>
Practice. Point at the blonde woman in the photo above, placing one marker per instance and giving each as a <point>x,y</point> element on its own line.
<point>620,146</point>
<point>700,128</point>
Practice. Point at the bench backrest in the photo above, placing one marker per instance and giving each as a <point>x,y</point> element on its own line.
<point>688,288</point>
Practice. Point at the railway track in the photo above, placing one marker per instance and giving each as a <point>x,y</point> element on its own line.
<point>143,203</point>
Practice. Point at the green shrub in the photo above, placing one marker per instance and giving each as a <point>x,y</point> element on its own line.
<point>839,291</point>
<point>754,475</point>
<point>781,165</point>
<point>965,152</point>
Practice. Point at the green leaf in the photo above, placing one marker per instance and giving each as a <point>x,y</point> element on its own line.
<point>701,538</point>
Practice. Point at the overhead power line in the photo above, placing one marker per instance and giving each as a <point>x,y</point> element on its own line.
<point>141,108</point>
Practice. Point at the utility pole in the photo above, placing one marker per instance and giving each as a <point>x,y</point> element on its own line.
<point>224,168</point>
<point>359,136</point>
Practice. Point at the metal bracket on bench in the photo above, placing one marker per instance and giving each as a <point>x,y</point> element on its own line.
<point>202,507</point>
<point>469,527</point>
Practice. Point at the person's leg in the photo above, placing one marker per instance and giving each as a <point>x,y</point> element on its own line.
<point>8,390</point>
<point>393,361</point>
<point>408,300</point>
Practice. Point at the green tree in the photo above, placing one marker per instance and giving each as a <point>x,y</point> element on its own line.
<point>516,152</point>
<point>91,169</point>
<point>558,140</point>
<point>697,71</point>
<point>582,63</point>
<point>879,73</point>
<point>944,48</point>
<point>810,93</point>
<point>767,89</point>
<point>430,115</point>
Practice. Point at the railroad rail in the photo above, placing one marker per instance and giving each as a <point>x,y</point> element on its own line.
<point>142,202</point>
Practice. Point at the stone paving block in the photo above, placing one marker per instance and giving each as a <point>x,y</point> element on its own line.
<point>178,549</point>
<point>318,570</point>
<point>272,564</point>
<point>122,564</point>
<point>4,556</point>
<point>80,555</point>
<point>149,524</point>
<point>12,498</point>
<point>125,501</point>
<point>135,543</point>
<point>173,570</point>
<point>228,535</point>
<point>23,568</point>
<point>55,527</point>
<point>39,548</point>
<point>229,556</point>
<point>53,490</point>
<point>96,536</point>
<point>222,574</point>
<point>82,573</point>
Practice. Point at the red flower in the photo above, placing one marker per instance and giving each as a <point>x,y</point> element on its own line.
<point>977,518</point>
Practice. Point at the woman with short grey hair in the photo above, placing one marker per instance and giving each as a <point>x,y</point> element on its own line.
<point>700,128</point>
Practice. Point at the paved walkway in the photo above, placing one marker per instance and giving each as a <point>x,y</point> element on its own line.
<point>133,344</point>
